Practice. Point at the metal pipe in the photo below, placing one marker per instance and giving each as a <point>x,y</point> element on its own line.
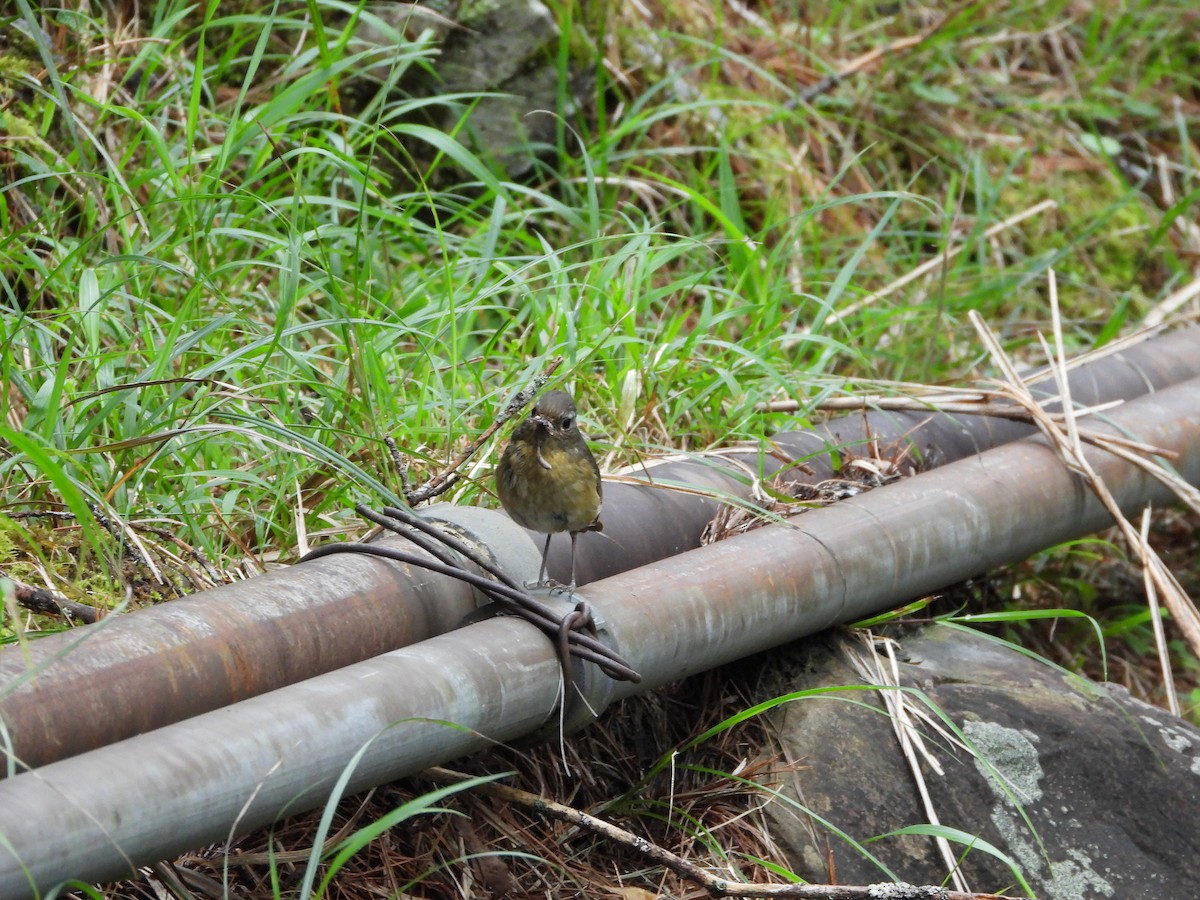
<point>128,674</point>
<point>645,524</point>
<point>156,795</point>
<point>147,669</point>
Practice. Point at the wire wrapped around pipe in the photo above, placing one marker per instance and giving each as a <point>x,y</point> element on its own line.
<point>565,630</point>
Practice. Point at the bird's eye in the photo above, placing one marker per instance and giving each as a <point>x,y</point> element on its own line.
<point>566,422</point>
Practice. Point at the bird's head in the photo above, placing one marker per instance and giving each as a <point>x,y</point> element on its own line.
<point>555,415</point>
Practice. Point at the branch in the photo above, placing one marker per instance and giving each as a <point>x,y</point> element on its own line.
<point>40,600</point>
<point>716,886</point>
<point>444,479</point>
<point>868,59</point>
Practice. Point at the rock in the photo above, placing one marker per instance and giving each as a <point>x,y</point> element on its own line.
<point>506,49</point>
<point>1091,793</point>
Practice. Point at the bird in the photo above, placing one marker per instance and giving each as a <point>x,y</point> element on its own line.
<point>547,478</point>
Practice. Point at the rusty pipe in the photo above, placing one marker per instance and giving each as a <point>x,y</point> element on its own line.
<point>166,663</point>
<point>94,816</point>
<point>129,674</point>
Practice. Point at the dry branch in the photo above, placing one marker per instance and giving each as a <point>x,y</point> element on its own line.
<point>715,885</point>
<point>870,58</point>
<point>444,479</point>
<point>40,600</point>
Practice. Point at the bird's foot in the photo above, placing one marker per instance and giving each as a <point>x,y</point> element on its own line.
<point>555,587</point>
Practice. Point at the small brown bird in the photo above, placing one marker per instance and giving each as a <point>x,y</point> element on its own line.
<point>547,479</point>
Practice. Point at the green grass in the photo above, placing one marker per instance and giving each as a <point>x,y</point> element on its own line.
<point>230,267</point>
<point>239,286</point>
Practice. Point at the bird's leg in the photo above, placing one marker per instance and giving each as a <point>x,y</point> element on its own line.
<point>574,536</point>
<point>541,582</point>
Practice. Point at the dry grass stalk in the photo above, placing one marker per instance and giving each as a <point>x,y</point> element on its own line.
<point>1173,303</point>
<point>1126,448</point>
<point>1068,444</point>
<point>999,403</point>
<point>787,498</point>
<point>1160,637</point>
<point>901,712</point>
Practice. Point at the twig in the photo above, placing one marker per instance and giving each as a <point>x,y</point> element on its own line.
<point>210,577</point>
<point>444,479</point>
<point>197,556</point>
<point>40,600</point>
<point>399,460</point>
<point>127,539</point>
<point>868,59</point>
<point>715,885</point>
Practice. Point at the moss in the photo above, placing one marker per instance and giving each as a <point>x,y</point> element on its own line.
<point>29,548</point>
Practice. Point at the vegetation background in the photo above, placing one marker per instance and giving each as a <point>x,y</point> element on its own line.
<point>232,266</point>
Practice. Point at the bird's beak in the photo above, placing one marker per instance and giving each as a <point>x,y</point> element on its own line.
<point>542,422</point>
